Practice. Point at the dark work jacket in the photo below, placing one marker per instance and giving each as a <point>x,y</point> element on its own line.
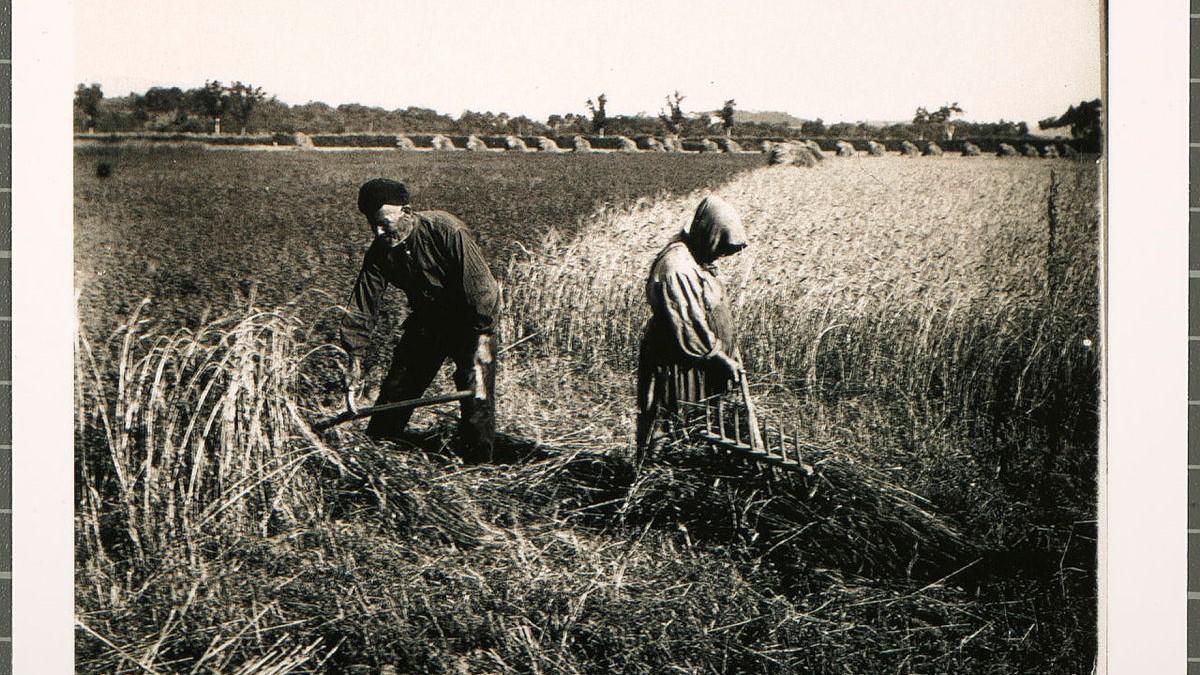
<point>442,272</point>
<point>690,318</point>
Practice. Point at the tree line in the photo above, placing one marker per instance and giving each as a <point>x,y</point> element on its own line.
<point>244,108</point>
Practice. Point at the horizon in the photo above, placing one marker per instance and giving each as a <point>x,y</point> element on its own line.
<point>689,113</point>
<point>877,62</point>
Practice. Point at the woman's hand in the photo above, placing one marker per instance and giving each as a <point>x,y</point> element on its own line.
<point>731,366</point>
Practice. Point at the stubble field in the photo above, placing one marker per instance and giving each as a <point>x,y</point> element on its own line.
<point>930,325</point>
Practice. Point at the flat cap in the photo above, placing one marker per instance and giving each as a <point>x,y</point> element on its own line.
<point>379,191</point>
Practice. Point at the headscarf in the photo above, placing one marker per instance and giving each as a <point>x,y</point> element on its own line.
<point>716,230</point>
<point>690,317</point>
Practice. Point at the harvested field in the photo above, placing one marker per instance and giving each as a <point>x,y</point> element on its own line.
<point>926,346</point>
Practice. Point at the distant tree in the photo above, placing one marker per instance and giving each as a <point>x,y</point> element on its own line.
<point>921,121</point>
<point>470,122</point>
<point>1085,120</point>
<point>274,115</point>
<point>320,118</point>
<point>937,122</point>
<point>633,125</point>
<point>673,117</point>
<point>813,127</point>
<point>162,108</point>
<point>241,100</point>
<point>413,118</point>
<point>357,117</point>
<point>844,130</point>
<point>727,113</point>
<point>523,126</point>
<point>570,123</point>
<point>161,99</point>
<point>211,100</point>
<point>599,115</point>
<point>577,123</point>
<point>87,100</point>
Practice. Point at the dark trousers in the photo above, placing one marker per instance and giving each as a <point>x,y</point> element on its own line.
<point>416,359</point>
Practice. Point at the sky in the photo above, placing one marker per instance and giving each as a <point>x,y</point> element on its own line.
<point>860,60</point>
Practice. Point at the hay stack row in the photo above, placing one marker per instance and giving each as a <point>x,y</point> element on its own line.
<point>805,153</point>
<point>844,148</point>
<point>578,143</point>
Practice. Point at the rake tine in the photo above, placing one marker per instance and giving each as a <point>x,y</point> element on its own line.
<point>737,425</point>
<point>721,417</point>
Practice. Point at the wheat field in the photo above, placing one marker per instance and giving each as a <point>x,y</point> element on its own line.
<point>931,325</point>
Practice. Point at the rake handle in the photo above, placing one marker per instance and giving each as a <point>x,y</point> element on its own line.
<point>396,405</point>
<point>756,441</point>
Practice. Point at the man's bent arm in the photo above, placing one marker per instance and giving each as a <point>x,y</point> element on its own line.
<point>365,300</point>
<point>480,289</point>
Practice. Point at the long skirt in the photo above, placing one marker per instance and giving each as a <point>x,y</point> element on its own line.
<point>665,388</point>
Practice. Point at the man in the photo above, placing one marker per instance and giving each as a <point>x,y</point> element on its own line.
<point>453,306</point>
<point>688,349</point>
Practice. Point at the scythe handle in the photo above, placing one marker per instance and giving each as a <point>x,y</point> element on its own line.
<point>397,405</point>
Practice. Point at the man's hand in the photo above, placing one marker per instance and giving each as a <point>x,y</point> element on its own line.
<point>480,363</point>
<point>352,383</point>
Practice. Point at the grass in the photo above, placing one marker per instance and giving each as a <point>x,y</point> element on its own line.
<point>907,316</point>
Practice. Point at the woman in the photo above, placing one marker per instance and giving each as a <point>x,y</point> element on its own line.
<point>688,351</point>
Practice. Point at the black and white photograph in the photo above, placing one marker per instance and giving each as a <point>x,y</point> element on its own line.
<point>605,337</point>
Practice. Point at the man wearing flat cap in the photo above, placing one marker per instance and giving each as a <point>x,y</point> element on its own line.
<point>453,302</point>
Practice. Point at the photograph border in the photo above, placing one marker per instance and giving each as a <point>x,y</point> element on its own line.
<point>1142,545</point>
